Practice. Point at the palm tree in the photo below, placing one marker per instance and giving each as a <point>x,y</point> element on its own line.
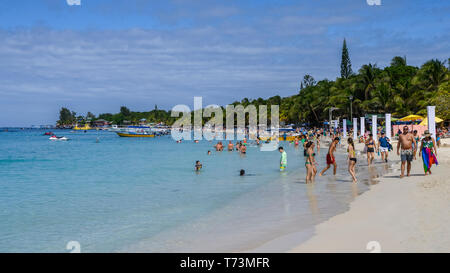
<point>368,76</point>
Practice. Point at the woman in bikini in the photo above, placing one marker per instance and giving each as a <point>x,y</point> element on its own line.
<point>370,144</point>
<point>310,162</point>
<point>351,159</point>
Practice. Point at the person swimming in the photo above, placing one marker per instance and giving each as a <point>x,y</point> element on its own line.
<point>242,172</point>
<point>209,152</point>
<point>198,165</point>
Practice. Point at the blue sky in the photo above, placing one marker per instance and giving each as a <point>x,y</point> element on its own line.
<point>107,53</point>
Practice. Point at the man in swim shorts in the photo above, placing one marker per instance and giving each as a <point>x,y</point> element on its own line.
<point>408,146</point>
<point>330,157</point>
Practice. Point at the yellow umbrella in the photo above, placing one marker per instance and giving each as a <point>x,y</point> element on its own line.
<point>411,118</point>
<point>425,121</point>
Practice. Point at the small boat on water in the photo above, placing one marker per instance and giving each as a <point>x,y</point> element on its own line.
<point>83,128</point>
<point>133,134</point>
<point>48,134</point>
<point>56,138</point>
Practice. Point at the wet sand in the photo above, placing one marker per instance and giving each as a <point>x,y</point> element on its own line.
<point>395,215</point>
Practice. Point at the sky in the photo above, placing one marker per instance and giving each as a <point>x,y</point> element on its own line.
<point>102,54</point>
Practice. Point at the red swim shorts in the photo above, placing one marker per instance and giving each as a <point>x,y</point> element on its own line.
<point>330,160</point>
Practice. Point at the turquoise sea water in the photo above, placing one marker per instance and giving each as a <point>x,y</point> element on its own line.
<point>142,194</point>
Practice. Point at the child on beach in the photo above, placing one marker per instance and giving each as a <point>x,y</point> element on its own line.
<point>283,159</point>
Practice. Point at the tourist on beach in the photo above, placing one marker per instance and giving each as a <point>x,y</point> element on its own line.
<point>310,162</point>
<point>383,146</point>
<point>219,146</point>
<point>370,144</point>
<point>416,137</point>
<point>283,158</point>
<point>330,157</point>
<point>318,144</point>
<point>243,148</point>
<point>426,152</point>
<point>406,142</point>
<point>198,165</point>
<point>230,146</point>
<point>351,159</point>
<point>438,138</point>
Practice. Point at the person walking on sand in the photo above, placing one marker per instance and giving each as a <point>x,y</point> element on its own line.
<point>406,142</point>
<point>330,157</point>
<point>426,152</point>
<point>370,144</point>
<point>351,159</point>
<point>283,159</point>
<point>383,146</point>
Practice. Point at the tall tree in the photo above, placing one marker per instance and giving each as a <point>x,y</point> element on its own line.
<point>346,65</point>
<point>66,117</point>
<point>308,81</point>
<point>125,111</point>
<point>398,61</point>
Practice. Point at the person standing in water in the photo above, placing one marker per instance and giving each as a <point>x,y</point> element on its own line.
<point>426,152</point>
<point>198,165</point>
<point>230,146</point>
<point>383,146</point>
<point>330,157</point>
<point>283,159</point>
<point>351,159</point>
<point>406,142</point>
<point>370,144</point>
<point>243,148</point>
<point>310,162</point>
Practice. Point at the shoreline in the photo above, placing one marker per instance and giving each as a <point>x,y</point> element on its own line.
<point>400,214</point>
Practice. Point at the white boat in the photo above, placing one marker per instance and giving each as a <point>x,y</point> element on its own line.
<point>56,138</point>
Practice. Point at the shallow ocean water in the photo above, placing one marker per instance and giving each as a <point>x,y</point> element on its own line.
<point>132,194</point>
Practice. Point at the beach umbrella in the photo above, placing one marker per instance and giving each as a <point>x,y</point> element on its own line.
<point>425,121</point>
<point>411,118</point>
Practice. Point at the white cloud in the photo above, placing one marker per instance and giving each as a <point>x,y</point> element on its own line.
<point>73,2</point>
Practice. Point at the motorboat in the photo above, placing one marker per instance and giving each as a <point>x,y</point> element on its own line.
<point>57,138</point>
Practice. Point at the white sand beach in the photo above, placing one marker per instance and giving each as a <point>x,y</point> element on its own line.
<point>402,215</point>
